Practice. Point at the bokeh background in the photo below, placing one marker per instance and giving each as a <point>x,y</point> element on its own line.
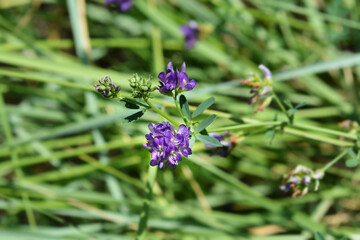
<point>73,168</point>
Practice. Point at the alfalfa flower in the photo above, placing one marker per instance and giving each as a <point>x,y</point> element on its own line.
<point>191,33</point>
<point>299,179</point>
<point>261,88</point>
<point>167,145</point>
<point>175,80</point>
<point>107,88</point>
<point>122,5</point>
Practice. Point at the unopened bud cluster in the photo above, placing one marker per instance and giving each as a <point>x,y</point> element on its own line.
<point>107,88</point>
<point>141,86</point>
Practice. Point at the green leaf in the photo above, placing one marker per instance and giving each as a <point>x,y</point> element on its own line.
<point>292,111</point>
<point>351,153</point>
<point>184,105</point>
<point>205,123</point>
<point>300,105</point>
<point>288,103</point>
<point>203,106</point>
<point>129,105</point>
<point>133,117</point>
<point>319,236</point>
<point>209,140</point>
<point>351,163</point>
<point>191,141</point>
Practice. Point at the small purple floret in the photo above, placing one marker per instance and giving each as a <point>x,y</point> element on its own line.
<point>167,144</point>
<point>172,80</point>
<point>123,5</point>
<point>191,33</point>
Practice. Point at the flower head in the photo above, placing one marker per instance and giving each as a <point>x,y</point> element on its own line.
<point>123,5</point>
<point>260,88</point>
<point>107,88</point>
<point>299,179</point>
<point>175,80</point>
<point>167,145</point>
<point>191,33</point>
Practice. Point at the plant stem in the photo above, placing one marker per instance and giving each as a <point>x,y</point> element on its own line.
<point>163,114</point>
<point>325,130</point>
<point>244,126</point>
<point>146,206</point>
<point>15,160</point>
<point>280,104</point>
<point>335,160</point>
<point>179,109</point>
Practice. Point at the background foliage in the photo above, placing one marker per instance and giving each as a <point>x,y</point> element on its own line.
<point>72,168</point>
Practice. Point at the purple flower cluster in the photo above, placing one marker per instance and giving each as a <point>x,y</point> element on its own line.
<point>123,5</point>
<point>191,33</point>
<point>167,144</point>
<point>172,80</point>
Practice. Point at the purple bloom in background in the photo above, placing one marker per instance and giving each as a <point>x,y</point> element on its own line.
<point>191,33</point>
<point>123,5</point>
<point>166,144</point>
<point>172,80</point>
<point>228,143</point>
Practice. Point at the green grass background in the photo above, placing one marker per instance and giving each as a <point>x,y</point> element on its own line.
<point>72,168</point>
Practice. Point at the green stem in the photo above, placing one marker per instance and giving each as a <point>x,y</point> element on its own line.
<point>325,130</point>
<point>317,137</point>
<point>15,160</point>
<point>163,114</point>
<point>146,205</point>
<point>244,126</point>
<point>280,104</point>
<point>179,109</point>
<point>335,160</point>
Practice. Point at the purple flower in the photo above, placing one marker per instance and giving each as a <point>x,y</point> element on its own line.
<point>191,33</point>
<point>167,144</point>
<point>185,84</point>
<point>169,80</point>
<point>172,80</point>
<point>123,5</point>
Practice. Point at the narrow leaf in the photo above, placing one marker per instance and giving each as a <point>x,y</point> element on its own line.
<point>292,111</point>
<point>205,123</point>
<point>191,141</point>
<point>184,105</point>
<point>133,117</point>
<point>128,104</point>
<point>300,105</point>
<point>209,141</point>
<point>203,106</point>
<point>319,236</point>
